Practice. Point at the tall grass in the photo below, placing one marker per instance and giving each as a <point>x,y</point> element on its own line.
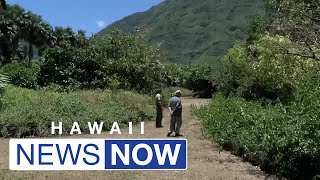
<point>30,113</point>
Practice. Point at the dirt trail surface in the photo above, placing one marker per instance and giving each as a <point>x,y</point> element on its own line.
<point>204,159</point>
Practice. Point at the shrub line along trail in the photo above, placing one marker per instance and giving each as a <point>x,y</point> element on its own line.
<point>204,159</point>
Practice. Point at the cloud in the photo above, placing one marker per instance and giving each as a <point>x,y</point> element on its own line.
<point>101,23</point>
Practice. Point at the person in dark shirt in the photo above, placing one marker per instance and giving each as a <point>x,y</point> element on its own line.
<point>158,103</point>
<point>175,109</point>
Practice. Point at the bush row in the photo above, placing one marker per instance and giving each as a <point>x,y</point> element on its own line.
<point>280,139</point>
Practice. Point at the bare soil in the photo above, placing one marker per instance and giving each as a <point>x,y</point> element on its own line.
<point>205,161</point>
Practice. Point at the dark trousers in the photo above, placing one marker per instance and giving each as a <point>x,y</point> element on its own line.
<point>159,117</point>
<point>175,124</point>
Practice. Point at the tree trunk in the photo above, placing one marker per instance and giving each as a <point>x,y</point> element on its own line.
<point>3,6</point>
<point>7,56</point>
<point>30,55</point>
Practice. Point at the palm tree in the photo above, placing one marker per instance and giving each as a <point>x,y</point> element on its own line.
<point>3,83</point>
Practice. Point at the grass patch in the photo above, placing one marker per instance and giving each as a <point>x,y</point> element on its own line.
<point>30,113</point>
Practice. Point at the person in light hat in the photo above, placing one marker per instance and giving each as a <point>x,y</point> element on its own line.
<point>175,109</point>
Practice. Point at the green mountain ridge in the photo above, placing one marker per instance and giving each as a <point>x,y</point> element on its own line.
<point>194,31</point>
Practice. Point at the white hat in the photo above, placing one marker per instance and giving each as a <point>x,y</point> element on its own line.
<point>178,92</point>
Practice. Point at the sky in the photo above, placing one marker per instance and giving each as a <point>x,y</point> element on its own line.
<point>89,15</point>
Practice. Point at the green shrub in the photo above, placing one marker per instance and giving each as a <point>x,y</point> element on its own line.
<point>20,75</point>
<point>114,61</point>
<point>264,70</point>
<point>280,139</point>
<point>195,77</point>
<point>198,77</point>
<point>30,113</point>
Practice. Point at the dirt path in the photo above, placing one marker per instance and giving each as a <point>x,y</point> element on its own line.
<point>204,159</point>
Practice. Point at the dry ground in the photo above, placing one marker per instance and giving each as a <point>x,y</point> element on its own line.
<point>204,159</point>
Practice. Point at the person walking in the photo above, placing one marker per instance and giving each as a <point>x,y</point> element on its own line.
<point>175,109</point>
<point>158,103</point>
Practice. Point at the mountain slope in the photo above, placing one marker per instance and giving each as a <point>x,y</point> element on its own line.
<point>194,30</point>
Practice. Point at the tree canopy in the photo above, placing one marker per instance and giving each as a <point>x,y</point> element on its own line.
<point>16,25</point>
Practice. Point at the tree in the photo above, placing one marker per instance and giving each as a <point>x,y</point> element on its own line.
<point>66,36</point>
<point>116,59</point>
<point>299,20</point>
<point>3,6</point>
<point>36,32</point>
<point>15,25</point>
<point>9,33</point>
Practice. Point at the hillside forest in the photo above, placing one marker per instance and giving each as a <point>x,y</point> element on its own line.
<point>193,31</point>
<point>265,91</point>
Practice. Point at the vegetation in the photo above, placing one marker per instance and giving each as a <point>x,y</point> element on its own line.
<point>30,113</point>
<point>20,75</point>
<point>194,31</point>
<point>74,79</point>
<point>115,61</point>
<point>267,107</point>
<point>3,6</point>
<point>201,79</point>
<point>73,61</point>
<point>281,139</point>
<point>18,26</point>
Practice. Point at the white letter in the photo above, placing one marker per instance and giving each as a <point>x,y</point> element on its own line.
<point>135,154</point>
<point>130,127</point>
<point>95,127</point>
<point>124,158</point>
<point>142,127</point>
<point>167,151</point>
<point>115,127</point>
<point>75,127</point>
<point>54,128</point>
